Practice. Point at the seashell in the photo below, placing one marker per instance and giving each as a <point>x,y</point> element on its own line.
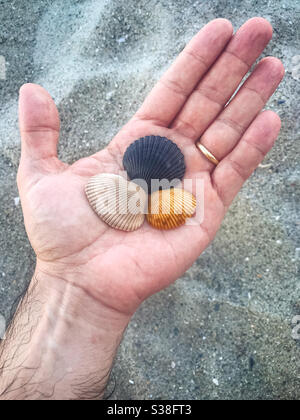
<point>154,158</point>
<point>169,209</point>
<point>118,202</point>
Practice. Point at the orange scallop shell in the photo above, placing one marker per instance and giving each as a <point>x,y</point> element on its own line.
<point>169,209</point>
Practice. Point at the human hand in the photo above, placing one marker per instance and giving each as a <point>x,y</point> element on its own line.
<point>119,270</point>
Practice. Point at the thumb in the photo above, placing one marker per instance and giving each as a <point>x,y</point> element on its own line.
<point>39,128</point>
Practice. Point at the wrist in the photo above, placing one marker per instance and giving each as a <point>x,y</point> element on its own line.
<point>69,299</point>
<point>63,341</point>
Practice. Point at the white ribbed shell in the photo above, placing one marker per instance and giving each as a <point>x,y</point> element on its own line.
<point>118,202</point>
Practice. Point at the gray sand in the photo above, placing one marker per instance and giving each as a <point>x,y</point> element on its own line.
<point>225,329</point>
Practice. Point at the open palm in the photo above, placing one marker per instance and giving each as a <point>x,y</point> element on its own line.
<point>121,269</point>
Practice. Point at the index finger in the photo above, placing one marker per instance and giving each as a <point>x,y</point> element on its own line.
<point>171,92</point>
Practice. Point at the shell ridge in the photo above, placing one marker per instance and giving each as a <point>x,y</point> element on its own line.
<point>109,195</point>
<point>154,158</point>
<point>174,208</point>
<point>149,158</point>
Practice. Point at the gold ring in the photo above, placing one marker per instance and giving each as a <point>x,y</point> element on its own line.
<point>207,154</point>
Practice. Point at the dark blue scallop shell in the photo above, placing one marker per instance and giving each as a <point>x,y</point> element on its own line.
<point>154,158</point>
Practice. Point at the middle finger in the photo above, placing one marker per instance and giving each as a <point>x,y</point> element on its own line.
<point>214,91</point>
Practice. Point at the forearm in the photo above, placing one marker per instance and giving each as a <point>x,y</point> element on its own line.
<point>60,345</point>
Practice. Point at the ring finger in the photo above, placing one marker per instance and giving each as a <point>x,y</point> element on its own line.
<point>215,89</point>
<point>225,132</point>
